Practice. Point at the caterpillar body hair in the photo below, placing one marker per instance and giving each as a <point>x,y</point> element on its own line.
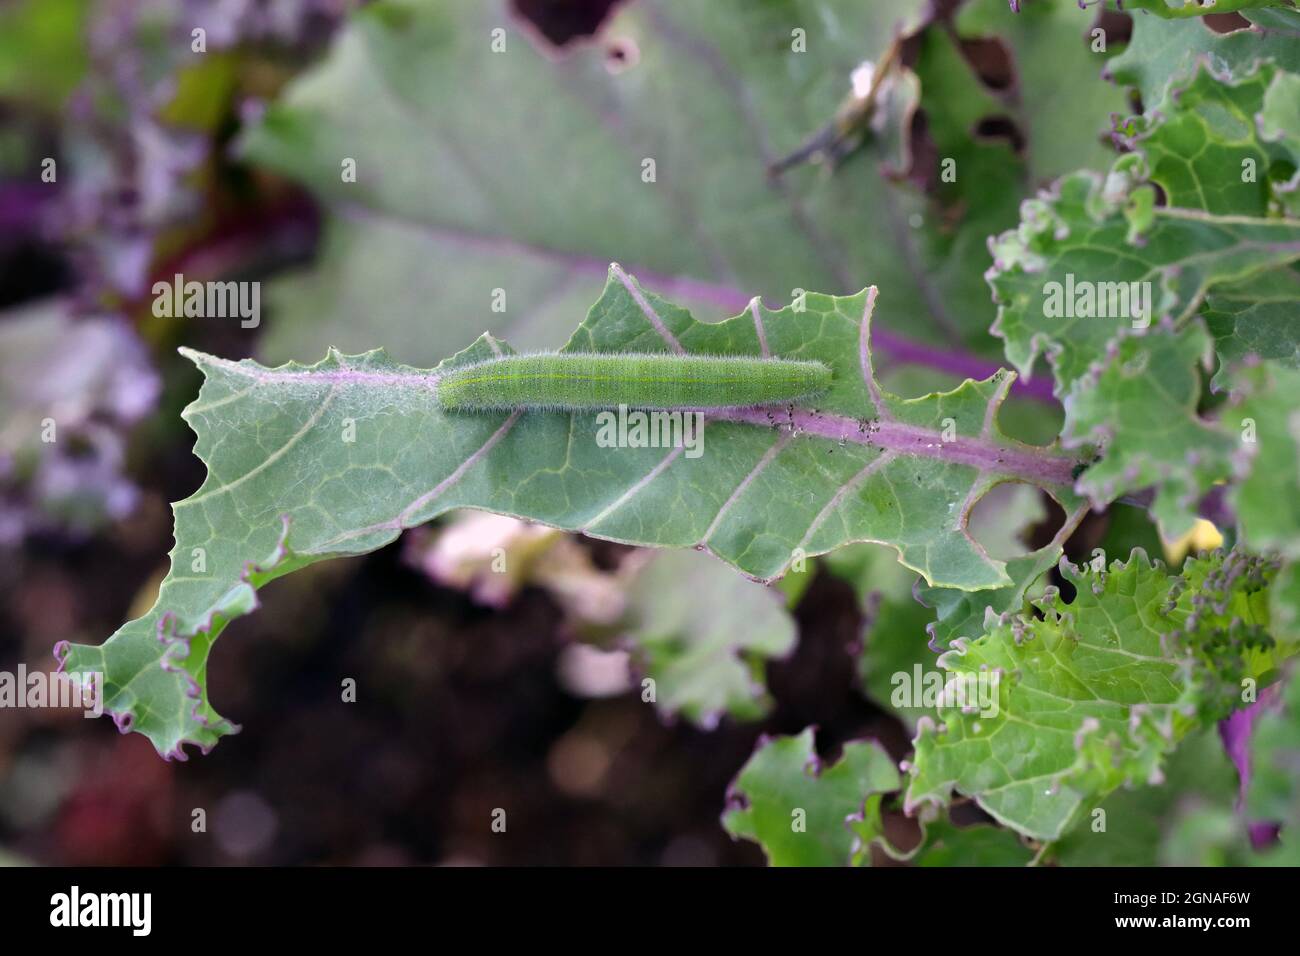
<point>589,380</point>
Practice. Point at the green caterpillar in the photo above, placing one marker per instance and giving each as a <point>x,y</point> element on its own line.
<point>573,382</point>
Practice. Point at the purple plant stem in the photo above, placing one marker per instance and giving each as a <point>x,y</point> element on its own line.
<point>1236,731</point>
<point>1024,462</point>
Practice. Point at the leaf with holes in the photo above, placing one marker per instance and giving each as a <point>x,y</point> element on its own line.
<point>1222,143</point>
<point>1055,71</point>
<point>308,462</point>
<point>1087,265</point>
<point>804,813</point>
<point>1140,406</point>
<point>1059,711</point>
<point>1109,287</point>
<point>1161,54</point>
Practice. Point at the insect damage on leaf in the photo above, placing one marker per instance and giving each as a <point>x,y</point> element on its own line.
<point>311,462</point>
<point>785,793</point>
<point>1094,694</point>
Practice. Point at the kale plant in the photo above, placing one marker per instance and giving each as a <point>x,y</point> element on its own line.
<point>1051,258</point>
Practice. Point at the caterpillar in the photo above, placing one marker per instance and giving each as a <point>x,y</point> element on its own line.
<point>577,381</point>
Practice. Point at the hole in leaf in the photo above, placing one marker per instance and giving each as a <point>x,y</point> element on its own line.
<point>1000,127</point>
<point>1041,534</point>
<point>621,54</point>
<point>1013,519</point>
<point>1068,591</point>
<point>562,21</point>
<point>1225,22</point>
<point>1117,25</point>
<point>923,171</point>
<point>991,61</point>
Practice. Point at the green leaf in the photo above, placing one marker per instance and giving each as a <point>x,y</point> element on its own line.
<point>1209,143</point>
<point>1284,608</point>
<point>338,458</point>
<point>1161,53</point>
<point>706,656</point>
<point>1094,694</point>
<point>964,613</point>
<point>990,144</point>
<point>1279,18</point>
<point>1140,407</point>
<point>1265,500</point>
<point>979,844</point>
<point>1063,277</point>
<point>900,610</point>
<point>1127,527</point>
<point>42,50</point>
<point>1279,123</point>
<point>798,810</point>
<point>978,196</point>
<point>1214,833</point>
<point>1254,318</point>
<point>1204,835</point>
<point>1056,74</point>
<point>1127,386</point>
<point>1134,824</point>
<point>1172,9</point>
